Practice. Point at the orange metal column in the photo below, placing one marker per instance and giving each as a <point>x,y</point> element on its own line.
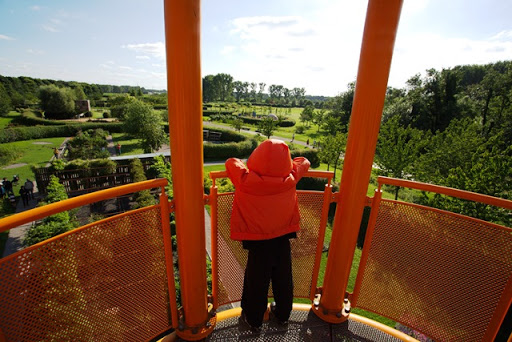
<point>374,64</point>
<point>182,31</point>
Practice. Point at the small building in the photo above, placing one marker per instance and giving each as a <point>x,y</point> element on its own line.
<point>83,106</point>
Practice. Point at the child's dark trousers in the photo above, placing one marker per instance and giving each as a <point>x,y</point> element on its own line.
<point>268,260</point>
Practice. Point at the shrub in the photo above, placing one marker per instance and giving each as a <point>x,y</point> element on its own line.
<point>227,150</point>
<point>162,169</point>
<point>89,145</point>
<point>52,225</point>
<point>9,154</point>
<point>39,132</point>
<point>299,129</point>
<point>144,197</point>
<point>26,119</point>
<point>310,154</point>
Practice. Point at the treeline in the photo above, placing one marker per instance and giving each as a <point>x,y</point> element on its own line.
<point>21,92</point>
<point>454,128</point>
<point>222,87</point>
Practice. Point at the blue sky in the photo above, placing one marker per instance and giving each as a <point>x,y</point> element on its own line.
<point>296,43</point>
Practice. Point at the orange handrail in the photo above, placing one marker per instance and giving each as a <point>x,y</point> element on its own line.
<point>71,203</point>
<point>443,190</point>
<point>311,173</point>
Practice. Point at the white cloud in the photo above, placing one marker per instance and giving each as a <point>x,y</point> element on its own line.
<point>35,52</point>
<point>419,52</point>
<point>226,50</point>
<point>153,49</point>
<point>142,57</point>
<point>35,8</point>
<point>4,37</point>
<point>125,67</point>
<point>50,28</point>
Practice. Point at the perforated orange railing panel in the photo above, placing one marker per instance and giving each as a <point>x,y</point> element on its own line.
<point>102,282</point>
<point>232,258</point>
<point>440,273</point>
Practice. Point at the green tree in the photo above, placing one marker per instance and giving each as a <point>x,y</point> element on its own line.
<point>237,123</point>
<point>5,101</point>
<point>144,123</point>
<point>52,225</point>
<point>224,85</point>
<point>267,126</point>
<point>142,198</point>
<point>331,148</point>
<point>306,116</point>
<point>57,103</point>
<point>397,149</point>
<point>210,90</point>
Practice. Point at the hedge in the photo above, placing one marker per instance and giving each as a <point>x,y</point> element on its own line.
<point>39,132</point>
<point>256,121</point>
<point>310,154</point>
<point>227,150</point>
<point>209,112</point>
<point>25,120</point>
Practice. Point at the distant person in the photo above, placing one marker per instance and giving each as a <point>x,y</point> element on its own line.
<point>56,153</point>
<point>2,190</point>
<point>307,142</point>
<point>118,149</point>
<point>29,187</point>
<point>265,217</point>
<point>293,137</point>
<point>24,195</point>
<point>8,187</point>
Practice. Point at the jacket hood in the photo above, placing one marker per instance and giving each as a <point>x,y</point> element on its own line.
<point>271,158</point>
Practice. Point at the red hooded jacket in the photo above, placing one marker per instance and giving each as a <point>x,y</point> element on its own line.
<point>265,204</point>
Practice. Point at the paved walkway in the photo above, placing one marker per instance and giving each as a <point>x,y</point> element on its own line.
<point>14,242</point>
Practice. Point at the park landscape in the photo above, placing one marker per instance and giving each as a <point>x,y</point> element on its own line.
<point>450,127</point>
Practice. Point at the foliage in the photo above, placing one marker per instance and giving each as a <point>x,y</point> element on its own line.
<point>331,148</point>
<point>307,115</point>
<point>8,154</point>
<point>267,126</point>
<point>91,144</point>
<point>57,103</point>
<point>38,132</point>
<point>52,225</point>
<point>144,197</point>
<point>5,101</point>
<point>143,122</point>
<point>310,154</point>
<point>227,150</point>
<point>398,148</point>
<point>237,124</point>
<point>119,105</point>
<point>162,169</point>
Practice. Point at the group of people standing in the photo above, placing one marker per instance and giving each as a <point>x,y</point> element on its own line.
<point>26,190</point>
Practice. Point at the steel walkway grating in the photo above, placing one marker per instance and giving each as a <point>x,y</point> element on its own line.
<point>303,326</point>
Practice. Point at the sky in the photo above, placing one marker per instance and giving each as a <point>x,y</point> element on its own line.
<point>313,44</point>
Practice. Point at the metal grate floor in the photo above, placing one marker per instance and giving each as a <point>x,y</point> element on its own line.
<point>303,326</point>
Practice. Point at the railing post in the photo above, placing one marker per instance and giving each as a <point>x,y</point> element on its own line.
<point>182,34</point>
<point>169,264</point>
<point>368,239</point>
<point>321,237</point>
<point>213,222</point>
<point>375,60</point>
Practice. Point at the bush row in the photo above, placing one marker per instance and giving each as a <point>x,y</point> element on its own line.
<point>227,150</point>
<point>309,153</point>
<point>26,120</point>
<point>256,121</point>
<point>39,132</point>
<point>209,112</point>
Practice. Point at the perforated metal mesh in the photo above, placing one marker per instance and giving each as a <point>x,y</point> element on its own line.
<point>232,258</point>
<point>438,272</point>
<point>302,326</point>
<point>103,282</point>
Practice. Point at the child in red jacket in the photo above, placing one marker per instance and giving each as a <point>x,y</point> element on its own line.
<point>265,216</point>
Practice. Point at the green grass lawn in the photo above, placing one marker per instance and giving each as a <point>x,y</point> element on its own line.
<point>6,120</point>
<point>129,145</point>
<point>32,154</point>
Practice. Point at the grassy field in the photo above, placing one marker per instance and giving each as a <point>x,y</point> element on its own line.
<point>129,145</point>
<point>6,120</point>
<point>34,152</point>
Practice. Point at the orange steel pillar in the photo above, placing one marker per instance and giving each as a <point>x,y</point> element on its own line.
<point>182,31</point>
<point>374,63</point>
